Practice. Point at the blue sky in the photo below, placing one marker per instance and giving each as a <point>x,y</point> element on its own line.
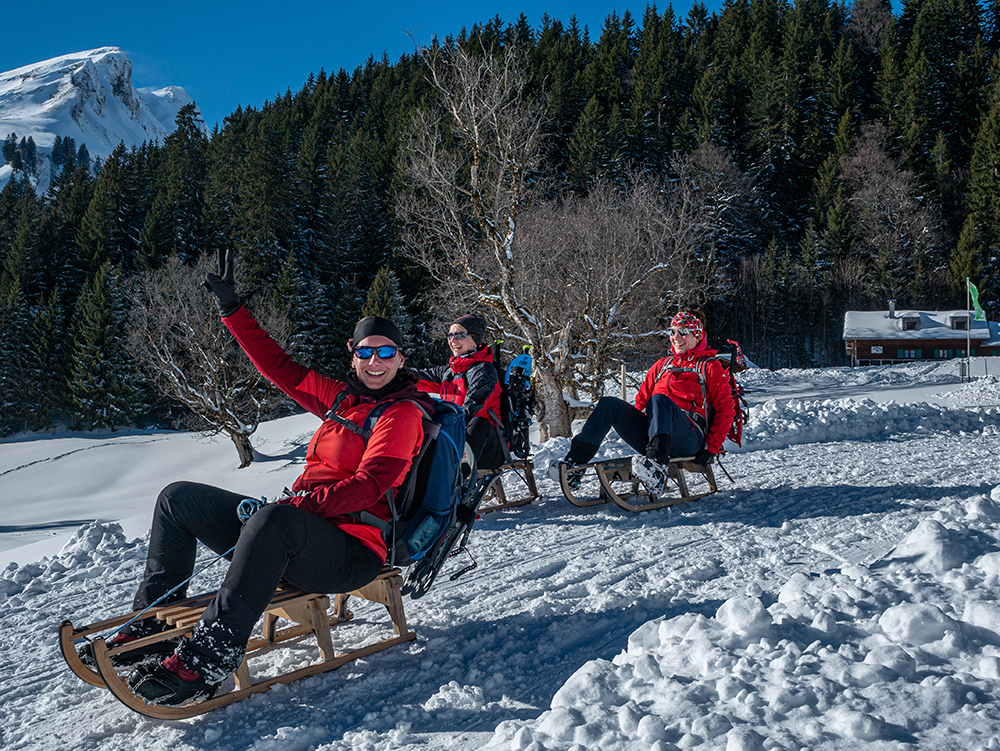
<point>228,54</point>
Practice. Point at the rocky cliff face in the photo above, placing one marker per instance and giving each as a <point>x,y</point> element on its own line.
<point>87,96</point>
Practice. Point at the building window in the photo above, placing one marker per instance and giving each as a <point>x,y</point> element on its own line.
<point>960,324</point>
<point>876,349</point>
<point>908,354</point>
<point>910,324</point>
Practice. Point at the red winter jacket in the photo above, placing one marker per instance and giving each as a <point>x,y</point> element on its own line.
<point>342,474</point>
<point>684,390</point>
<point>468,380</point>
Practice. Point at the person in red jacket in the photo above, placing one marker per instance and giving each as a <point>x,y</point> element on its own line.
<point>470,380</point>
<point>676,412</point>
<point>312,538</point>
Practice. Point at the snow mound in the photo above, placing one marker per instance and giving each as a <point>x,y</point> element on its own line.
<point>842,656</point>
<point>775,424</point>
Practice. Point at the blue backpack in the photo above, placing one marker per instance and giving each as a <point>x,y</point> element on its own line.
<point>426,502</point>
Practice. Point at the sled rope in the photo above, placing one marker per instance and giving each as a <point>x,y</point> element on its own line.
<point>248,507</point>
<point>171,591</point>
<point>717,461</point>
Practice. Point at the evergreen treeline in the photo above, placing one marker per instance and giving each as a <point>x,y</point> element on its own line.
<point>872,142</point>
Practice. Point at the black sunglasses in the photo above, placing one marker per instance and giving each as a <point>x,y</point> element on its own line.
<point>385,352</point>
<point>459,335</point>
<point>682,331</point>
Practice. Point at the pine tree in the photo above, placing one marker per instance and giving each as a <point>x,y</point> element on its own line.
<point>173,225</point>
<point>977,253</point>
<point>15,348</point>
<point>385,299</point>
<point>46,364</point>
<point>657,95</point>
<point>10,150</point>
<point>102,380</point>
<point>67,200</point>
<point>345,314</point>
<point>22,271</point>
<point>102,235</point>
<point>263,211</point>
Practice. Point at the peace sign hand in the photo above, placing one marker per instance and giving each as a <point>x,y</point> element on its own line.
<point>223,286</point>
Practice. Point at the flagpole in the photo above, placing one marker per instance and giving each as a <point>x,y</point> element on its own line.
<point>968,328</point>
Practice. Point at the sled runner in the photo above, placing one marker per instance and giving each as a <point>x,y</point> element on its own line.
<point>307,612</point>
<point>624,487</point>
<point>523,469</point>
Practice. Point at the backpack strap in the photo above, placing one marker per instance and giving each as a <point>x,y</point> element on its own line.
<point>700,421</point>
<point>364,432</point>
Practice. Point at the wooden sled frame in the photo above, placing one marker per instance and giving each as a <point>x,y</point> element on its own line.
<point>523,469</point>
<point>620,471</point>
<point>307,612</point>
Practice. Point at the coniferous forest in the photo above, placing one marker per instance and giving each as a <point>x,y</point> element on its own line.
<point>870,145</point>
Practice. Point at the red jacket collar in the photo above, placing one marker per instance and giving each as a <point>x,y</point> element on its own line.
<point>700,350</point>
<point>462,363</point>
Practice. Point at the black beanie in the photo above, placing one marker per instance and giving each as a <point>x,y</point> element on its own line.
<point>376,326</point>
<point>475,325</point>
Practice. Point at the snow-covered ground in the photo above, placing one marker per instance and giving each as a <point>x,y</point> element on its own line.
<point>843,593</point>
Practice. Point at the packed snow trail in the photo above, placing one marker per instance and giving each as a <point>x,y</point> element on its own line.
<point>775,614</point>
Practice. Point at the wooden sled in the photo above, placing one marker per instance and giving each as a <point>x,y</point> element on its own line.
<point>523,469</point>
<point>306,611</point>
<point>623,488</point>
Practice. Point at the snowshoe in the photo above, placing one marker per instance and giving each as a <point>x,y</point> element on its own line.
<point>574,475</point>
<point>653,475</point>
<point>154,683</point>
<point>422,574</point>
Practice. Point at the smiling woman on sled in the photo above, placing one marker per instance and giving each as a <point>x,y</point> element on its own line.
<point>675,414</point>
<point>311,539</point>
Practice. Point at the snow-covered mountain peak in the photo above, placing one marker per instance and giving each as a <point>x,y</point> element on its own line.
<point>87,96</point>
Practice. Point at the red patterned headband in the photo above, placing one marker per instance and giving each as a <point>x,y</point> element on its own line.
<point>688,320</point>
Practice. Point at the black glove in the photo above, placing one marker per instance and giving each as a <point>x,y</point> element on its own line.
<point>704,457</point>
<point>223,286</point>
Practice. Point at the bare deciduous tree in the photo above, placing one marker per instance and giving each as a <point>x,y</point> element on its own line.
<point>193,358</point>
<point>896,223</point>
<point>578,280</point>
<point>868,22</point>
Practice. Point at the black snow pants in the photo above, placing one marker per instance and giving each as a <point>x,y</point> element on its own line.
<point>279,542</point>
<point>661,417</point>
<point>484,440</point>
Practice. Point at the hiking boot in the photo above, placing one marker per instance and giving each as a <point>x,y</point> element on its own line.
<point>658,448</point>
<point>168,683</point>
<point>160,650</point>
<point>573,474</point>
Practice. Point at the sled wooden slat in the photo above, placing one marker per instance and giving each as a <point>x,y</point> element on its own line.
<point>524,469</point>
<point>308,613</point>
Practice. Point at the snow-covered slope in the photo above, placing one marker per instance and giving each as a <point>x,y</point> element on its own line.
<point>841,594</point>
<point>87,96</point>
